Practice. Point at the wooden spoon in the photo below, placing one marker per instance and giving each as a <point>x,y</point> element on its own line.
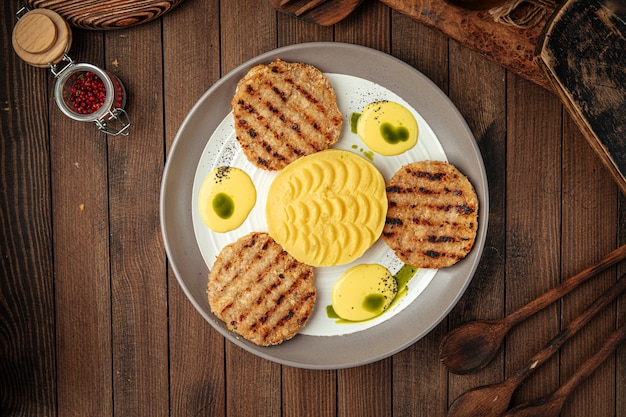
<point>471,346</point>
<point>493,400</point>
<point>551,405</point>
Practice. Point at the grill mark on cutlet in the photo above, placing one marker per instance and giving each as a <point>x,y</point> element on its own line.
<point>293,116</point>
<point>264,294</point>
<point>432,212</point>
<point>266,291</point>
<point>269,141</point>
<point>262,262</point>
<point>270,316</point>
<point>246,255</point>
<point>299,95</point>
<point>297,105</point>
<point>273,143</point>
<point>285,311</point>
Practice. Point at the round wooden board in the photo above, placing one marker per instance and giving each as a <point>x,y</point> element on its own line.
<point>106,14</point>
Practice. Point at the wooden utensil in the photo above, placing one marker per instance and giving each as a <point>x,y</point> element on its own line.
<point>325,13</point>
<point>551,405</point>
<point>493,400</point>
<point>586,69</point>
<point>475,4</point>
<point>471,346</point>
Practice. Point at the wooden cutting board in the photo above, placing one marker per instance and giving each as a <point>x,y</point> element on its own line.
<point>587,68</point>
<point>106,14</point>
<point>510,47</point>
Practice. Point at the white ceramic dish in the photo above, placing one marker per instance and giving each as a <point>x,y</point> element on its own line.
<point>360,75</point>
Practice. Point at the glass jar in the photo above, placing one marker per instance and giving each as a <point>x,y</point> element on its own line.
<point>42,39</point>
<point>108,96</point>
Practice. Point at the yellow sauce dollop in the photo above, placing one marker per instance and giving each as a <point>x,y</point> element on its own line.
<point>363,292</point>
<point>227,195</point>
<point>327,208</point>
<point>387,128</point>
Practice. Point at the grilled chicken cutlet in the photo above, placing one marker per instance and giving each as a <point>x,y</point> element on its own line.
<point>432,216</point>
<point>260,291</point>
<point>283,111</point>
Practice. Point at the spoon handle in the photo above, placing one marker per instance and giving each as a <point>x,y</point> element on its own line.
<point>552,404</point>
<point>565,287</point>
<point>572,328</point>
<point>592,363</point>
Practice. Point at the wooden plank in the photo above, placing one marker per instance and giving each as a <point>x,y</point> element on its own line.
<point>197,378</point>
<point>27,346</point>
<point>258,378</point>
<point>365,391</point>
<point>589,212</point>
<point>292,31</point>
<point>533,236</point>
<point>106,14</point>
<point>81,236</point>
<point>510,47</point>
<point>306,393</point>
<point>418,366</point>
<point>253,384</point>
<point>478,88</point>
<point>138,269</point>
<point>372,29</point>
<point>421,47</point>
<point>242,45</point>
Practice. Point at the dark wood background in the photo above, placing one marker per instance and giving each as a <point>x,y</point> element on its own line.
<point>93,323</point>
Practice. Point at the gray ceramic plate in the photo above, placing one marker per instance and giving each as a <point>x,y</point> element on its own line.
<point>405,327</point>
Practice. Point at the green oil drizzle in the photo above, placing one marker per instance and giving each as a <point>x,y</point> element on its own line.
<point>331,314</point>
<point>223,205</point>
<point>394,134</point>
<point>402,277</point>
<point>374,303</point>
<point>368,154</point>
<point>354,119</point>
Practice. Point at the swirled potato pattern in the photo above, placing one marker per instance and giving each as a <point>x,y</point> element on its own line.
<point>327,208</point>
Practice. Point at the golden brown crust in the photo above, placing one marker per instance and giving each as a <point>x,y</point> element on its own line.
<point>432,216</point>
<point>260,291</point>
<point>283,111</point>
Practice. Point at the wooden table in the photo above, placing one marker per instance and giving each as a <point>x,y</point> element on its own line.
<point>93,323</point>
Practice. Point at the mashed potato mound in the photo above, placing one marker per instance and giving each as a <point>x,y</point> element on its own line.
<point>327,208</point>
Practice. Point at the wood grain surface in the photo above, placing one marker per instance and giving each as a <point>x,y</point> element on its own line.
<point>106,14</point>
<point>94,323</point>
<point>587,68</point>
<point>322,12</point>
<point>511,47</point>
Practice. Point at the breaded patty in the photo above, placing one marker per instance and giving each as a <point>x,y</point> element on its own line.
<point>432,216</point>
<point>283,111</point>
<point>260,291</point>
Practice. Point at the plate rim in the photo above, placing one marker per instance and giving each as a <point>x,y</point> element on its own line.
<point>388,338</point>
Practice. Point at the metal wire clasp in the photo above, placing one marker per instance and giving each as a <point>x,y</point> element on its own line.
<point>56,71</point>
<point>121,119</point>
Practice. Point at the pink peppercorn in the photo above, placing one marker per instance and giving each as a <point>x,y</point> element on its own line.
<point>88,93</point>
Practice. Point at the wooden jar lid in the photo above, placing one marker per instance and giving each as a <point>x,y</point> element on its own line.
<point>41,37</point>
